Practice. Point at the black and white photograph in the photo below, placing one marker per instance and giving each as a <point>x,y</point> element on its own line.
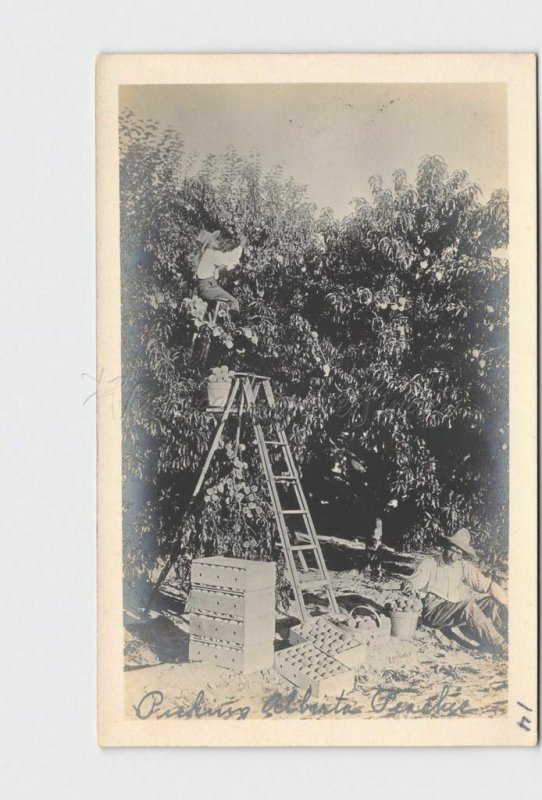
<point>314,400</point>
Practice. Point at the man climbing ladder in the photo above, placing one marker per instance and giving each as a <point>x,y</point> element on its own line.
<point>211,261</point>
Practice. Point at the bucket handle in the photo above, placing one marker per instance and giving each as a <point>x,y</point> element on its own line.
<point>366,608</point>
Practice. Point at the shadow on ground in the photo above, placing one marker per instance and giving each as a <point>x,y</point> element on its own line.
<point>163,640</point>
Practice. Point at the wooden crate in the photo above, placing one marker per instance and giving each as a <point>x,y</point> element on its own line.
<point>245,660</point>
<point>234,574</point>
<point>260,630</point>
<point>306,667</point>
<point>331,640</point>
<point>233,605</point>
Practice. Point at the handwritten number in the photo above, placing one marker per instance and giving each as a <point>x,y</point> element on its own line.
<point>525,722</point>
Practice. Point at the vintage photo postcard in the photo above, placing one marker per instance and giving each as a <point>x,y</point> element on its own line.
<point>316,400</point>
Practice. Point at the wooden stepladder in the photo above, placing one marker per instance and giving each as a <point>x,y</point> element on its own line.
<point>305,563</point>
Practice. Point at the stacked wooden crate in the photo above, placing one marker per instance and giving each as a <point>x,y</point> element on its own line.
<point>232,613</point>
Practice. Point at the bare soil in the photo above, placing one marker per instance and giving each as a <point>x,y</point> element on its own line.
<point>429,675</point>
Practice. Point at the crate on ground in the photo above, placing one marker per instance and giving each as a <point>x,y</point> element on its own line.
<point>306,666</point>
<point>244,660</point>
<point>232,613</point>
<point>332,640</point>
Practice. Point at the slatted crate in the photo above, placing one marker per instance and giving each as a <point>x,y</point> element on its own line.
<point>244,660</point>
<point>331,640</point>
<point>234,574</point>
<point>306,667</point>
<point>232,631</point>
<point>232,613</point>
<point>234,605</point>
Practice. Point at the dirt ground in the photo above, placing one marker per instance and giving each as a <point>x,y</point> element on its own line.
<point>427,676</point>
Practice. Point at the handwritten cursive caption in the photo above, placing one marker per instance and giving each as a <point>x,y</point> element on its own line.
<point>385,701</point>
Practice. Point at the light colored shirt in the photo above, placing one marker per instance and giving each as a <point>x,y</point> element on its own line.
<point>212,260</point>
<point>454,582</point>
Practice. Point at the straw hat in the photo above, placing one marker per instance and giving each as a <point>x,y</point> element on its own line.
<point>205,238</point>
<point>461,539</point>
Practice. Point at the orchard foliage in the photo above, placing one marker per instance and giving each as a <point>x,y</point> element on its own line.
<point>385,335</point>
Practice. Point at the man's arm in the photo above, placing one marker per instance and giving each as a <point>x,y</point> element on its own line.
<point>474,578</point>
<point>229,260</point>
<point>497,592</point>
<point>480,583</point>
<point>417,582</point>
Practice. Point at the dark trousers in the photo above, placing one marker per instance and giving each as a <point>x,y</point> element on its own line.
<point>209,289</point>
<point>481,619</point>
<point>374,561</point>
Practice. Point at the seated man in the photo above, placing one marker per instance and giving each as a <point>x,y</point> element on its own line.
<point>210,262</point>
<point>458,595</point>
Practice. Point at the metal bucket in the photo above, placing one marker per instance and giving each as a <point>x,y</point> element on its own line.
<point>404,623</point>
<point>218,393</point>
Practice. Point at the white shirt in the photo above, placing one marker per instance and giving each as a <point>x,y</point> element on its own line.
<point>454,582</point>
<point>212,260</point>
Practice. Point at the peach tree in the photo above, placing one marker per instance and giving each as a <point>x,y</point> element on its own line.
<point>384,334</point>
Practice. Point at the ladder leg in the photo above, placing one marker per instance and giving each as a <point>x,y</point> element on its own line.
<point>163,575</point>
<point>212,449</point>
<point>239,424</point>
<point>281,524</point>
<point>217,435</point>
<point>313,536</point>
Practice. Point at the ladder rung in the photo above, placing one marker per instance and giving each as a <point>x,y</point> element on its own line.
<point>319,584</point>
<point>276,443</point>
<point>252,375</point>
<point>294,511</point>
<point>295,547</point>
<point>284,478</point>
